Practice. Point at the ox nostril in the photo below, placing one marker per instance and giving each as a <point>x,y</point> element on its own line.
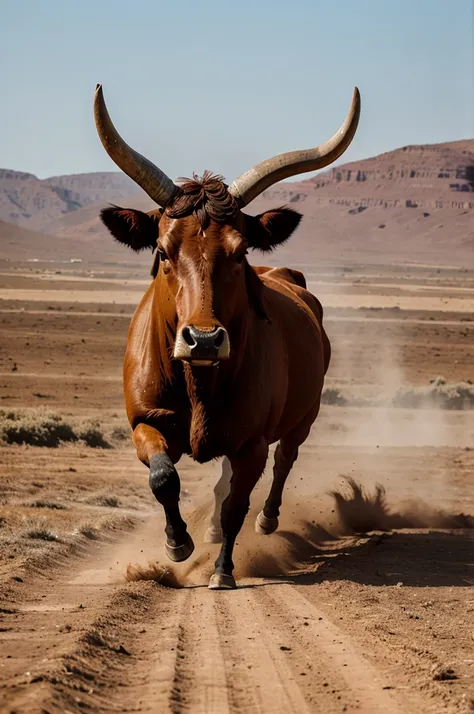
<point>202,345</point>
<point>219,337</point>
<point>188,337</point>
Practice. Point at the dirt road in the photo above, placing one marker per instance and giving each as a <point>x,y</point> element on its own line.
<point>82,643</point>
<point>320,621</point>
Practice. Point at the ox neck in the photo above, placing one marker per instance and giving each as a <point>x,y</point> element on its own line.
<point>208,388</point>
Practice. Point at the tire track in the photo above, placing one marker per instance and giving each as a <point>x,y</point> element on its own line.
<point>154,676</point>
<point>331,657</point>
<point>259,678</point>
<point>199,682</point>
<point>410,664</point>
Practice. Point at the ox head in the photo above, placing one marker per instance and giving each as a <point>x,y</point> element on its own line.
<point>201,235</point>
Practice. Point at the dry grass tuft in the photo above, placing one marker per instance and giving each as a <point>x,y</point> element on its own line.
<point>108,501</point>
<point>42,533</point>
<point>48,504</point>
<point>42,427</point>
<point>88,531</point>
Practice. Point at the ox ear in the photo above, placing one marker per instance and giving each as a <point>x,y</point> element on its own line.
<point>269,229</point>
<point>133,228</point>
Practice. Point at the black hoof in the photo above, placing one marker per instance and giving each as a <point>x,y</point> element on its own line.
<point>180,552</point>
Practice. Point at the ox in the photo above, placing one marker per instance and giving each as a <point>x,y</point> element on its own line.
<point>223,358</point>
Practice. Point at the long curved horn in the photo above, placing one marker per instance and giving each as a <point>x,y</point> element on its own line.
<point>148,176</point>
<point>260,177</point>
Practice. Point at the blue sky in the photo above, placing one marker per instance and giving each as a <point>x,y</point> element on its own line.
<point>212,84</point>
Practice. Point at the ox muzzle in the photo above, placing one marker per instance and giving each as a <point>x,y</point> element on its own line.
<point>202,347</point>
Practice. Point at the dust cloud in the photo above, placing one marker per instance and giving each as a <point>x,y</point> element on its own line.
<point>196,570</point>
<point>398,415</point>
<point>306,538</point>
<point>385,419</point>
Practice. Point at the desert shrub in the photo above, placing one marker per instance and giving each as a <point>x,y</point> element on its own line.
<point>120,433</point>
<point>92,435</point>
<point>334,397</point>
<point>439,394</point>
<point>38,428</point>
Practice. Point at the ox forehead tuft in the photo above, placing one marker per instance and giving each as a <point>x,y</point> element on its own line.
<point>206,197</point>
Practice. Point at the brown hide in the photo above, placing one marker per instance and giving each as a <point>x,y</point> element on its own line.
<point>270,386</point>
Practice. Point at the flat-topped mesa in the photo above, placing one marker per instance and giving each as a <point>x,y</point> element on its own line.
<point>436,168</point>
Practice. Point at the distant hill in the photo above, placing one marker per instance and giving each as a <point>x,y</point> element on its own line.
<point>31,202</point>
<point>20,243</point>
<point>414,204</point>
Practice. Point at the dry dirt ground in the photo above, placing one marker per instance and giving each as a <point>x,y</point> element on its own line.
<point>362,602</point>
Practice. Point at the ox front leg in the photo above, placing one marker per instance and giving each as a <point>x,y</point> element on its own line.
<point>152,450</point>
<point>247,467</point>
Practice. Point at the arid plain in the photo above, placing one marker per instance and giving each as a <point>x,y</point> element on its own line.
<point>361,602</point>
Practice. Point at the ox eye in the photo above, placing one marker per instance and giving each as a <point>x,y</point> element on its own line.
<point>240,257</point>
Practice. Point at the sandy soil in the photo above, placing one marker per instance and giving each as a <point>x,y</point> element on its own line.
<point>358,603</point>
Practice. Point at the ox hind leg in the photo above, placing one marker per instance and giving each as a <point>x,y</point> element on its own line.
<point>213,533</point>
<point>286,454</point>
<point>247,467</point>
<point>153,451</point>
